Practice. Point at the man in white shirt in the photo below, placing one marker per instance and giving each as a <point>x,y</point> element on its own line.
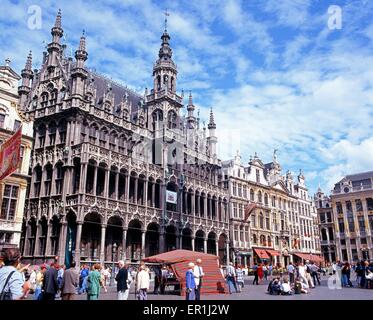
<point>291,271</point>
<point>198,275</point>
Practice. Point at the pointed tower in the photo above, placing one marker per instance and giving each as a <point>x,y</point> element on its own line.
<point>165,71</point>
<point>54,48</point>
<point>163,103</point>
<point>191,119</point>
<point>27,76</point>
<point>79,74</point>
<point>212,139</point>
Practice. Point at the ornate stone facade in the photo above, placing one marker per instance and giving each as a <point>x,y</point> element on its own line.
<point>104,157</point>
<point>351,205</point>
<point>13,188</point>
<point>283,222</point>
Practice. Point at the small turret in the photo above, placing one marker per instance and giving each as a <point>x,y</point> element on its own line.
<point>27,76</point>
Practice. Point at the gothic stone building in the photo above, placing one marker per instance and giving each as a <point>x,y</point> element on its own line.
<point>13,188</point>
<point>281,228</point>
<point>105,159</point>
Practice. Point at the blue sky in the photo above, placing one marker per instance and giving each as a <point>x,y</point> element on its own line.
<point>275,74</point>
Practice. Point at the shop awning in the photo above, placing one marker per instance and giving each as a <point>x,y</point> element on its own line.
<point>262,254</point>
<point>310,257</point>
<point>273,253</point>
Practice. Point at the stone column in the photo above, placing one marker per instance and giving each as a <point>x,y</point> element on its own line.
<point>143,233</point>
<point>37,235</point>
<point>124,244</point>
<point>83,177</point>
<point>217,247</point>
<point>193,243</point>
<point>48,239</point>
<point>197,200</point>
<point>127,188</point>
<point>162,242</point>
<point>205,213</point>
<point>136,186</point>
<point>181,240</point>
<point>205,245</point>
<point>153,195</point>
<point>78,242</point>
<point>145,192</point>
<point>95,181</point>
<point>102,246</point>
<point>116,186</point>
<point>193,203</point>
<point>227,251</point>
<point>107,181</point>
<point>62,242</point>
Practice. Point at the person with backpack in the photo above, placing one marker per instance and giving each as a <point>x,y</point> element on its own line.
<point>12,285</point>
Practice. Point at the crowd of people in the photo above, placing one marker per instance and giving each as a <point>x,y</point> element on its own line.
<point>53,281</point>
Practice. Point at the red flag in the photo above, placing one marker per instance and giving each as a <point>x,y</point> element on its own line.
<point>10,154</point>
<point>248,209</point>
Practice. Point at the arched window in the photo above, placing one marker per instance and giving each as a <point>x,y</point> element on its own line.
<point>172,119</point>
<point>277,241</point>
<point>255,240</point>
<point>262,240</point>
<point>269,241</point>
<point>158,83</point>
<point>48,179</point>
<point>261,221</point>
<point>113,141</point>
<point>41,134</point>
<point>2,118</point>
<point>103,137</point>
<point>266,199</point>
<point>93,133</point>
<point>260,197</point>
<point>59,178</point>
<point>44,100</point>
<point>52,133</point>
<point>62,128</point>
<point>53,97</point>
<point>252,196</point>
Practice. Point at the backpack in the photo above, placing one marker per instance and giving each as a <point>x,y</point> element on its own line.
<point>7,295</point>
<point>298,288</point>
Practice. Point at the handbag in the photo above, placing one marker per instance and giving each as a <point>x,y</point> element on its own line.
<point>369,276</point>
<point>7,295</point>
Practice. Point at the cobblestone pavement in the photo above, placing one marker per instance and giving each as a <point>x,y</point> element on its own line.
<point>257,292</point>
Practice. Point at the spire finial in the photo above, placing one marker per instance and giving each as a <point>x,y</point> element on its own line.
<point>29,61</point>
<point>166,14</point>
<point>211,124</point>
<point>57,24</point>
<point>82,41</point>
<point>190,102</point>
<point>7,62</point>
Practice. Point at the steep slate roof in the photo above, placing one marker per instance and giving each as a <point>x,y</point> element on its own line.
<point>358,177</point>
<point>101,84</point>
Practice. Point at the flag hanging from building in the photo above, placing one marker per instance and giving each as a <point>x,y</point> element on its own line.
<point>248,209</point>
<point>10,154</point>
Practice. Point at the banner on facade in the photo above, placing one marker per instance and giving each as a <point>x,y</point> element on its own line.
<point>171,197</point>
<point>10,154</point>
<point>248,209</point>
